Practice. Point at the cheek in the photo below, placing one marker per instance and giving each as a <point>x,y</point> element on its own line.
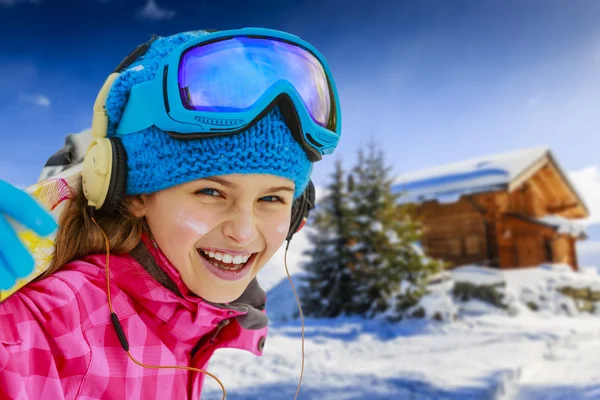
<point>277,233</point>
<point>282,228</point>
<point>183,228</point>
<point>193,225</point>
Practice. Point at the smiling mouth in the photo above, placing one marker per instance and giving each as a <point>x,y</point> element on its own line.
<point>226,271</point>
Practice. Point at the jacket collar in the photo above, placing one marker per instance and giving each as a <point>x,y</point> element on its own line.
<point>170,288</point>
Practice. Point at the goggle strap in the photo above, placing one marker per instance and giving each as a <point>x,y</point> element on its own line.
<point>135,54</point>
<point>136,119</point>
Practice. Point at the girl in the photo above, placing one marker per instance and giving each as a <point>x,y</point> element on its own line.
<point>198,171</point>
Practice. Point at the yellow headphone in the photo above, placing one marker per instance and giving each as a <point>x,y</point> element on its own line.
<point>104,170</point>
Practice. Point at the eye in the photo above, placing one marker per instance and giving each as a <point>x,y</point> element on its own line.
<point>208,192</point>
<point>272,199</point>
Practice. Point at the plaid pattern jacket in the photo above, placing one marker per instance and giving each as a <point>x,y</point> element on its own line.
<point>57,341</point>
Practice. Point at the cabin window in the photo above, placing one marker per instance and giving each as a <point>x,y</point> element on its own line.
<point>454,247</point>
<point>548,250</point>
<point>472,245</point>
<point>433,246</point>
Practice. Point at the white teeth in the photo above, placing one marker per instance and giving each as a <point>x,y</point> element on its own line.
<point>236,268</point>
<point>228,258</point>
<point>238,259</point>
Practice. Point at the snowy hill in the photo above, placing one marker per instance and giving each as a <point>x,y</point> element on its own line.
<point>281,297</point>
<point>486,353</point>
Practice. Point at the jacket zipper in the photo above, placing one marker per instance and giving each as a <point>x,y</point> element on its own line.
<point>203,340</point>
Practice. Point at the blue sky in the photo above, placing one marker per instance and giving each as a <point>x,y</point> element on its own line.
<point>431,81</point>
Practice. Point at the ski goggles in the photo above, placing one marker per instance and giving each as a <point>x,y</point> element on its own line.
<point>222,82</point>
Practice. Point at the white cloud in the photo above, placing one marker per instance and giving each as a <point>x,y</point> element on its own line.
<point>587,183</point>
<point>41,100</point>
<point>12,3</point>
<point>36,99</point>
<point>151,11</point>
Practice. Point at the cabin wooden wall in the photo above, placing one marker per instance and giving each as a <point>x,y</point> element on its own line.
<point>528,200</point>
<point>565,251</point>
<point>460,233</point>
<point>546,192</point>
<point>522,244</point>
<point>454,232</point>
<point>457,232</point>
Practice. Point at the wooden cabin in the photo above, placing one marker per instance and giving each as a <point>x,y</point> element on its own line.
<point>509,210</point>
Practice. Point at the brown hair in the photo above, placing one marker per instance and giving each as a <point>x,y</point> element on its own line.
<point>78,236</point>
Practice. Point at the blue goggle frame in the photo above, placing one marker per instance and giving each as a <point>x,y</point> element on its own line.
<point>158,102</point>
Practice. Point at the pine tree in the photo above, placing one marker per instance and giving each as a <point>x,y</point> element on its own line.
<point>389,272</point>
<point>329,283</point>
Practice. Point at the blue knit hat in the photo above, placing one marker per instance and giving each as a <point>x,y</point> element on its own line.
<point>156,161</point>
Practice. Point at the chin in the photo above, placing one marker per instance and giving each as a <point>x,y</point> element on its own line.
<point>226,295</point>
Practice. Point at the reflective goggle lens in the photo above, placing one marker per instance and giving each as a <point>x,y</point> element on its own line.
<point>230,75</point>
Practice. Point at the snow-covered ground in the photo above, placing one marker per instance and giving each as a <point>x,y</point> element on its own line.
<point>486,353</point>
<point>481,357</point>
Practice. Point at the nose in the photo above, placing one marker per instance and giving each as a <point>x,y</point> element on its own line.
<point>241,227</point>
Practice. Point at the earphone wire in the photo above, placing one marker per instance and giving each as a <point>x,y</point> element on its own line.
<point>301,315</point>
<point>121,333</point>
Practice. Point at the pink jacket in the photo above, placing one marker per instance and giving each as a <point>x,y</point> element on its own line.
<point>57,340</point>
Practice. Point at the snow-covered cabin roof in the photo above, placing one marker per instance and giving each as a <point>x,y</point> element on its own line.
<point>448,183</point>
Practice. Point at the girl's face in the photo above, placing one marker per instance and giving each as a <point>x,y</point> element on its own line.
<point>219,232</point>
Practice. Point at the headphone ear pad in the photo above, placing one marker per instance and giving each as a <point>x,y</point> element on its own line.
<point>296,220</point>
<point>301,209</point>
<point>118,177</point>
<point>311,195</point>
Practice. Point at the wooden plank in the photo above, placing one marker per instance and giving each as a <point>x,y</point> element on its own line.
<point>502,201</point>
<point>543,178</point>
<point>518,226</point>
<point>571,194</point>
<point>524,244</point>
<point>515,201</point>
<point>561,249</point>
<point>459,207</point>
<point>574,259</point>
<point>538,199</point>
<point>453,220</point>
<point>561,192</point>
<point>528,250</point>
<point>474,245</point>
<point>528,200</point>
<point>508,256</point>
<point>563,209</point>
<point>537,190</point>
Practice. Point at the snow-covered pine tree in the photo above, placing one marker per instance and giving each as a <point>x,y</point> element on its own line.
<point>390,272</point>
<point>329,284</point>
